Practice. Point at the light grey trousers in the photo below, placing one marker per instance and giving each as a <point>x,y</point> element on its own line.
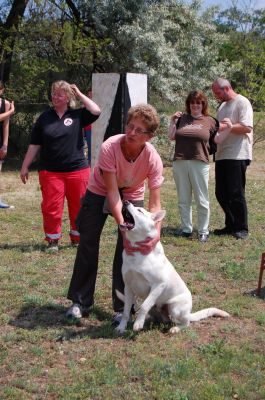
<point>192,176</point>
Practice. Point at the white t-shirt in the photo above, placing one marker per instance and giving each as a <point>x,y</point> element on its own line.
<point>130,176</point>
<point>236,146</point>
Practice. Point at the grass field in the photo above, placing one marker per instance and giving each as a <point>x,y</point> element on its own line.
<point>44,356</point>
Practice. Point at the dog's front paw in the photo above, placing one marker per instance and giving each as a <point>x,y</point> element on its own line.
<point>120,330</point>
<point>121,327</point>
<point>138,326</point>
<point>174,329</point>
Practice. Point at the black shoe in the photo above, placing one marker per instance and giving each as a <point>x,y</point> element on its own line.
<point>203,237</point>
<point>241,234</point>
<point>223,231</point>
<point>187,235</point>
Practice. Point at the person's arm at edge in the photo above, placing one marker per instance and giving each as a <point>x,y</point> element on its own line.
<point>8,113</point>
<point>3,149</point>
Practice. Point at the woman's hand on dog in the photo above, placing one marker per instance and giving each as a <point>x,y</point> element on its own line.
<point>144,247</point>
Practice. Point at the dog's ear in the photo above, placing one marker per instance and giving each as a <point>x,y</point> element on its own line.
<point>158,215</point>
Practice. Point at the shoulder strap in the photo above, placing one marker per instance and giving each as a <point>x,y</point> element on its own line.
<point>178,122</point>
<point>3,105</point>
<point>216,121</point>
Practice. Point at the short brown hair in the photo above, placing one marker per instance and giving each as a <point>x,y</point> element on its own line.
<point>200,96</point>
<point>147,114</point>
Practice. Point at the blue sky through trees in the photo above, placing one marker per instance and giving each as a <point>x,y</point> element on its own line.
<point>224,4</point>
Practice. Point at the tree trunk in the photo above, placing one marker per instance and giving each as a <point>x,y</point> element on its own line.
<point>8,34</point>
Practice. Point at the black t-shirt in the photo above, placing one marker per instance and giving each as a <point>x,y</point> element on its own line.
<point>61,139</point>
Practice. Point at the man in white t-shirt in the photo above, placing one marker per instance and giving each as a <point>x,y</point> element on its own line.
<point>233,156</point>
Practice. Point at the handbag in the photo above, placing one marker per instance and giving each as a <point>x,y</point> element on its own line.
<point>212,146</point>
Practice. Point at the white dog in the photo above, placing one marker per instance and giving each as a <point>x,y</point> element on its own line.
<point>153,278</point>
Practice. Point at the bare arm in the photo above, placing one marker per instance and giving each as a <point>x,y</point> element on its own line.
<point>155,204</point>
<point>29,158</point>
<point>240,129</point>
<point>88,103</point>
<point>3,149</point>
<point>147,245</point>
<point>113,196</point>
<point>172,126</point>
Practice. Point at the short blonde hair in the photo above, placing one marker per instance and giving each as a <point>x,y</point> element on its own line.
<point>65,86</point>
<point>147,114</point>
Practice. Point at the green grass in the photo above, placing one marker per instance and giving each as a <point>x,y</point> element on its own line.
<point>45,356</point>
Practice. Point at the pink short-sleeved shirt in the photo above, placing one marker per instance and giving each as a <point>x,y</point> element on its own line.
<point>131,176</point>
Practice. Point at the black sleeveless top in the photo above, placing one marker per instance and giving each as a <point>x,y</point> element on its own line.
<point>2,110</point>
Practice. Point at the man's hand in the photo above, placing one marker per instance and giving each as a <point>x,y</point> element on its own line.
<point>225,124</point>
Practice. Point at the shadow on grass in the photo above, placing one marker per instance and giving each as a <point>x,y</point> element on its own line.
<point>33,317</point>
<point>254,293</point>
<point>23,247</point>
<point>28,248</point>
<point>170,231</point>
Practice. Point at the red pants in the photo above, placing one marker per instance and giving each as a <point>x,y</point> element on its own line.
<point>55,186</point>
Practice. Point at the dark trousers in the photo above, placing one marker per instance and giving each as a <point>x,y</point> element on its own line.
<point>230,182</point>
<point>90,222</point>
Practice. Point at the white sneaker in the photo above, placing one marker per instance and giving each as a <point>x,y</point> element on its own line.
<point>53,246</point>
<point>5,205</point>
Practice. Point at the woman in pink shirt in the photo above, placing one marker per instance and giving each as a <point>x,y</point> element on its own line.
<point>125,162</point>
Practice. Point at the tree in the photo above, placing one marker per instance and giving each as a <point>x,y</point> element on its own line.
<point>245,51</point>
<point>170,41</point>
<point>8,35</point>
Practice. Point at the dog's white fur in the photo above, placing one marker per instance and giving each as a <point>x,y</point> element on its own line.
<point>154,279</point>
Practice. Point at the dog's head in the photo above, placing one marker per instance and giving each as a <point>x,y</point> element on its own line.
<point>139,223</point>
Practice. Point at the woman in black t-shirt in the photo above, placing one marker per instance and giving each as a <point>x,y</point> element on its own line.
<point>63,169</point>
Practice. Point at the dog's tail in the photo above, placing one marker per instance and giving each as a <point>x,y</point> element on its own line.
<point>208,312</point>
<point>120,295</point>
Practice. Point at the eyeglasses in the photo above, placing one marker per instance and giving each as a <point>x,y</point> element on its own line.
<point>60,95</point>
<point>138,131</point>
